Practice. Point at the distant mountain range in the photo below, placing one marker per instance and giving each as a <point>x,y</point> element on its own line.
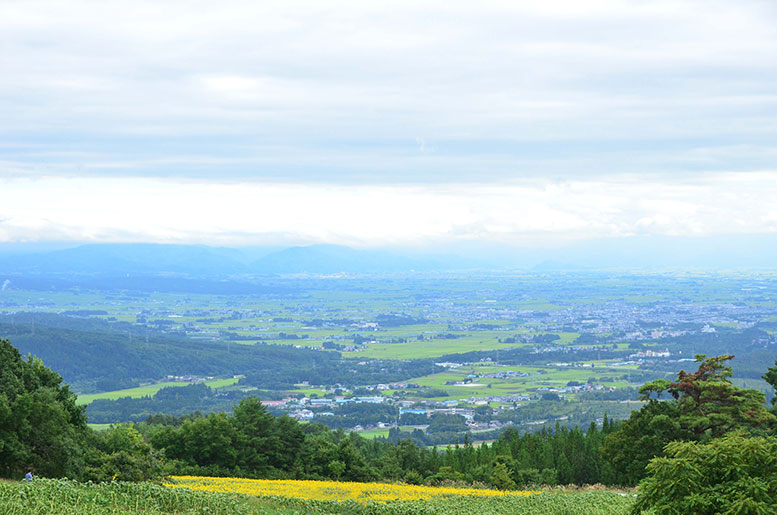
<point>122,259</point>
<point>203,261</point>
<point>221,264</point>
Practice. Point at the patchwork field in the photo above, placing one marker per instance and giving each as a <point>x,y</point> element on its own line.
<point>387,324</point>
<point>537,377</point>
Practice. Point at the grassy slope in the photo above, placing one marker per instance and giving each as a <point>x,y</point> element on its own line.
<point>63,497</point>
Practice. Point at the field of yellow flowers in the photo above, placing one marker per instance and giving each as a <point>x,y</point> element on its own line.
<point>329,497</point>
<point>332,490</point>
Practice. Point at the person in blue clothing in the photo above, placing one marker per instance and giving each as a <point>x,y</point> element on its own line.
<point>28,476</point>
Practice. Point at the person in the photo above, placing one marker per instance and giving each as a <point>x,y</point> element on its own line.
<point>28,476</point>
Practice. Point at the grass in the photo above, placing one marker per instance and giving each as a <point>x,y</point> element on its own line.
<point>430,348</point>
<point>373,433</point>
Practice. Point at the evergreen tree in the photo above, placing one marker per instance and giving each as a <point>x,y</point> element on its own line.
<point>704,405</point>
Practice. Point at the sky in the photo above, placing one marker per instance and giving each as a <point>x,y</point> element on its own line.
<point>378,124</point>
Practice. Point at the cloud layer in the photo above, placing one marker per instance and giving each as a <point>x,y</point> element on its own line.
<point>527,213</point>
<point>365,92</point>
<point>368,123</point>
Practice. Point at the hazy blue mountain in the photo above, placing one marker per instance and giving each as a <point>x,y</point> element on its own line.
<point>36,247</point>
<point>237,264</point>
<point>200,261</point>
<point>129,258</point>
<point>555,266</point>
<point>327,259</point>
<point>647,252</point>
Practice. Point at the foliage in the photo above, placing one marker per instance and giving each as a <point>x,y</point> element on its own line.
<point>65,497</point>
<point>440,422</point>
<point>120,453</point>
<point>252,442</point>
<point>710,405</point>
<point>642,437</point>
<point>704,405</point>
<point>41,427</point>
<point>733,475</point>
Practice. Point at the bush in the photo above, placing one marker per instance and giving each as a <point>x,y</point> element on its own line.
<point>732,474</point>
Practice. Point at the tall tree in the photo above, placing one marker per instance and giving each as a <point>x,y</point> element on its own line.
<point>41,427</point>
<point>710,405</point>
<point>703,405</point>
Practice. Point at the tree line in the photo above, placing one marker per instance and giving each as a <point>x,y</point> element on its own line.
<point>93,355</point>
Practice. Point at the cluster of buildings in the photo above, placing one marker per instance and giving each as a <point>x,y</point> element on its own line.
<point>576,388</point>
<point>651,354</point>
<point>188,379</point>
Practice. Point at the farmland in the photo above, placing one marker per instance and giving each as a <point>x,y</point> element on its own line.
<point>148,390</point>
<point>426,370</point>
<point>235,496</point>
<point>383,351</point>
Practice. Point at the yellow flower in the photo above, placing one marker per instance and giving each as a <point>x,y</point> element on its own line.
<point>332,490</point>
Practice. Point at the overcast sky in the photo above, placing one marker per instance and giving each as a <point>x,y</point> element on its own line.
<point>372,123</point>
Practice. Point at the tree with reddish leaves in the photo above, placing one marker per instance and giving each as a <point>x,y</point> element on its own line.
<point>702,406</point>
<point>710,405</point>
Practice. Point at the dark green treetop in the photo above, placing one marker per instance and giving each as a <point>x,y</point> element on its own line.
<point>41,427</point>
<point>702,405</point>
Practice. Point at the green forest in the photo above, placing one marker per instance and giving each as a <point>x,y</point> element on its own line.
<point>693,427</point>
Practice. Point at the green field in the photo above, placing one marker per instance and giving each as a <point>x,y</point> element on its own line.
<point>550,377</point>
<point>147,391</point>
<point>373,433</point>
<point>100,427</point>
<point>461,313</point>
<point>63,497</point>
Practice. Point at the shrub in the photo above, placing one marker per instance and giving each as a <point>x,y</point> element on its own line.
<point>732,474</point>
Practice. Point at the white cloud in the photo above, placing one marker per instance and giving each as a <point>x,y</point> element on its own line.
<point>528,212</point>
